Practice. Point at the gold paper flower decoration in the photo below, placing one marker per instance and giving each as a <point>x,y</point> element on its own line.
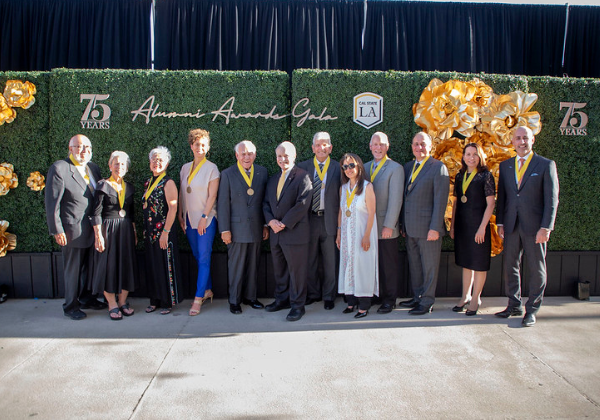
<point>7,114</point>
<point>8,241</point>
<point>19,94</point>
<point>36,181</point>
<point>509,112</point>
<point>8,178</point>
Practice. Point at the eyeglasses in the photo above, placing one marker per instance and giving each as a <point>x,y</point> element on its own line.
<point>349,166</point>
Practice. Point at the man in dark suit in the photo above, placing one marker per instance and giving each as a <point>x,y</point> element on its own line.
<point>286,206</point>
<point>425,200</point>
<point>387,178</point>
<point>325,205</point>
<point>525,213</point>
<point>69,200</point>
<point>242,224</point>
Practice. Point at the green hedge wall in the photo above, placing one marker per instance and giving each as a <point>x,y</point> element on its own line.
<point>40,135</point>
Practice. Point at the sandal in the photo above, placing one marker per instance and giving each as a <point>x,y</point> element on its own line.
<point>150,309</point>
<point>126,310</point>
<point>208,294</point>
<point>165,311</point>
<point>117,312</point>
<point>198,301</point>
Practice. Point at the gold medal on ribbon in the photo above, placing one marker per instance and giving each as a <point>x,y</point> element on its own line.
<point>467,178</point>
<point>193,173</point>
<point>189,189</point>
<point>416,173</point>
<point>374,174</point>
<point>348,213</point>
<point>122,213</point>
<point>247,178</point>
<point>409,187</point>
<point>321,174</point>
<point>250,191</point>
<point>120,194</point>
<point>349,200</point>
<point>145,205</point>
<point>463,199</point>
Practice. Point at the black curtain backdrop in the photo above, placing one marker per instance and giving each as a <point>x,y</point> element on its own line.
<point>45,34</point>
<point>582,58</point>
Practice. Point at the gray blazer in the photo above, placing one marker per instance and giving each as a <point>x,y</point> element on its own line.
<point>70,202</point>
<point>388,187</point>
<point>534,204</point>
<point>425,202</point>
<point>240,213</point>
<point>332,192</point>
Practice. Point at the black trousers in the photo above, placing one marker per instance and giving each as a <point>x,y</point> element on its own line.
<point>389,270</point>
<point>364,303</point>
<point>77,264</point>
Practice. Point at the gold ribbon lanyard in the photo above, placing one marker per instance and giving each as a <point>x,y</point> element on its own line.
<point>248,180</point>
<point>416,173</point>
<point>151,188</point>
<point>193,173</point>
<point>350,199</point>
<point>374,174</point>
<point>120,194</point>
<point>86,176</point>
<point>466,182</point>
<point>520,172</point>
<point>319,172</point>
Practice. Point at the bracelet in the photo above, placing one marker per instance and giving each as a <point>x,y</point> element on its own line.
<point>166,230</point>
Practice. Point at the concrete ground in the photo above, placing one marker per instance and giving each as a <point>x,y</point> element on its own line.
<point>327,365</point>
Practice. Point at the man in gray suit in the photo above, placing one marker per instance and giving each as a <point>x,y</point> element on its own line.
<point>242,224</point>
<point>387,178</point>
<point>425,199</point>
<point>325,205</point>
<point>69,200</point>
<point>527,203</point>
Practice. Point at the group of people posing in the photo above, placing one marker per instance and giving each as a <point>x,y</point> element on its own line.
<point>319,210</point>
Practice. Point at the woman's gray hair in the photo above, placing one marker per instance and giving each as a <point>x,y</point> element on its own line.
<point>118,153</point>
<point>160,150</point>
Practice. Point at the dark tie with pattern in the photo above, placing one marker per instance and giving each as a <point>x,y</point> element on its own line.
<point>317,184</point>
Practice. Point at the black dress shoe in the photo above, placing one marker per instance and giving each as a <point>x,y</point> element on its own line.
<point>421,310</point>
<point>94,304</point>
<point>277,306</point>
<point>509,311</point>
<point>460,308</point>
<point>295,314</point>
<point>348,310</point>
<point>361,314</point>
<point>235,309</point>
<point>528,320</point>
<point>254,304</point>
<point>329,305</point>
<point>386,308</point>
<point>77,314</point>
<point>413,303</point>
<point>310,301</point>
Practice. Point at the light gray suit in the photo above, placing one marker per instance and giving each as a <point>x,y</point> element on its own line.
<point>424,207</point>
<point>388,186</point>
<point>242,215</point>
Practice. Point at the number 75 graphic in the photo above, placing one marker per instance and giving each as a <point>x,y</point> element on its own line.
<point>571,116</point>
<point>90,109</point>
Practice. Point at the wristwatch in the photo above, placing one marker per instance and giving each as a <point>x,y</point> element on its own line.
<point>204,216</point>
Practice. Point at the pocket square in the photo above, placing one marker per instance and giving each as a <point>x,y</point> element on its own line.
<point>533,174</point>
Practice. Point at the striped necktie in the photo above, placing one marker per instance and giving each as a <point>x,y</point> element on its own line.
<point>317,185</point>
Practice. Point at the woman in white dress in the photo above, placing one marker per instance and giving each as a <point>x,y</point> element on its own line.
<point>357,238</point>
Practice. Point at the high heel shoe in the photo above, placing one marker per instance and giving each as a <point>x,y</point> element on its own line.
<point>472,313</point>
<point>199,301</point>
<point>208,295</point>
<point>461,308</point>
<point>348,310</point>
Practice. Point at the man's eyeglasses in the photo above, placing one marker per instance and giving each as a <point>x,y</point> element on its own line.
<point>349,166</point>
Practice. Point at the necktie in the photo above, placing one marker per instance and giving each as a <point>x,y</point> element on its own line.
<point>521,163</point>
<point>317,185</point>
<point>416,169</point>
<point>280,184</point>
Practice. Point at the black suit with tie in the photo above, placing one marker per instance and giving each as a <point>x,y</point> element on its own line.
<point>289,248</point>
<point>323,230</point>
<point>69,205</point>
<point>522,210</point>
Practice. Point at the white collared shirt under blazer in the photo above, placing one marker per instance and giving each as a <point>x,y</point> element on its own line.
<point>193,203</point>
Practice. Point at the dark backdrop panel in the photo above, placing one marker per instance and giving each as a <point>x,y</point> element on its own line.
<point>582,57</point>
<point>42,35</point>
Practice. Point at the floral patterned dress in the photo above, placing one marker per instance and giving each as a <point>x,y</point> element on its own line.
<point>163,279</point>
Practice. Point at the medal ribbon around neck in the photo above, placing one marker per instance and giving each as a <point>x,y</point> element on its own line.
<point>193,173</point>
<point>86,176</point>
<point>520,172</point>
<point>325,167</point>
<point>467,181</point>
<point>374,174</point>
<point>121,193</point>
<point>243,172</point>
<point>416,173</point>
<point>153,186</point>
<point>350,197</point>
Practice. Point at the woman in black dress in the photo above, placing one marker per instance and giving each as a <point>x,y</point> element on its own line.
<point>474,200</point>
<point>114,272</point>
<point>159,203</point>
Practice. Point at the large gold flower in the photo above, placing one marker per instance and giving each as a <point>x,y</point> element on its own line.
<point>450,153</point>
<point>8,241</point>
<point>36,181</point>
<point>8,178</point>
<point>482,96</point>
<point>509,112</point>
<point>7,114</point>
<point>19,94</point>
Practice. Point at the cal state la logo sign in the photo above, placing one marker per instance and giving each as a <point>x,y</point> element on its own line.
<point>368,109</point>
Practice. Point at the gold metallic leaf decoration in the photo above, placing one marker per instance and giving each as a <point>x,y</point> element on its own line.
<point>7,114</point>
<point>19,94</point>
<point>474,111</point>
<point>8,178</point>
<point>36,181</point>
<point>8,241</point>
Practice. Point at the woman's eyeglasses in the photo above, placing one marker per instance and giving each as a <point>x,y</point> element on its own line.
<point>349,166</point>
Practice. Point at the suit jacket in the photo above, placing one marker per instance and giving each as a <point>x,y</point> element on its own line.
<point>240,213</point>
<point>292,207</point>
<point>534,204</point>
<point>388,187</point>
<point>332,192</point>
<point>69,203</point>
<point>425,202</point>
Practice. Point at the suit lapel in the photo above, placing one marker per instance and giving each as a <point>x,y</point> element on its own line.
<point>426,167</point>
<point>244,187</point>
<point>287,182</point>
<point>77,176</point>
<point>530,169</point>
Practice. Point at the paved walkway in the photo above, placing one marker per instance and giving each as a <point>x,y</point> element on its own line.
<point>327,365</point>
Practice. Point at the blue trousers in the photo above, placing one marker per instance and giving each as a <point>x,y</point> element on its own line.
<point>202,250</point>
